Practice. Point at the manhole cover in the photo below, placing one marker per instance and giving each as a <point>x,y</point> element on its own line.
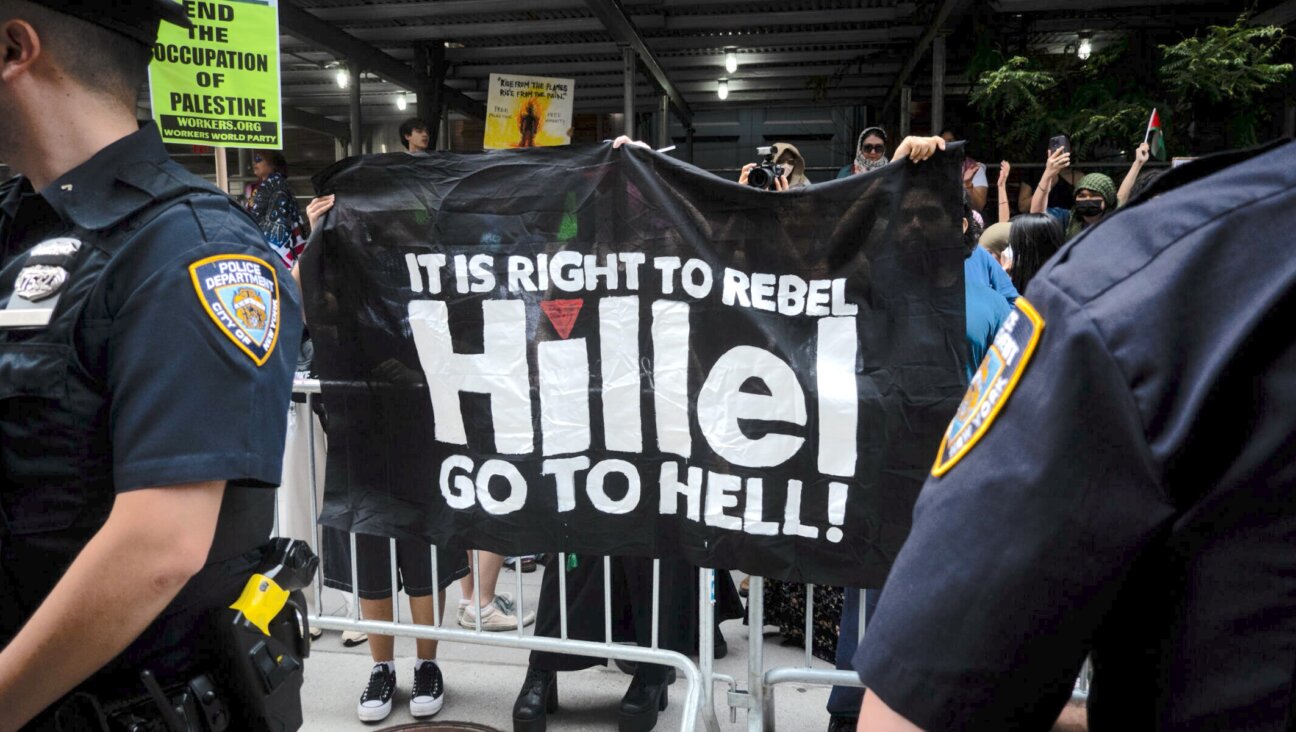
<point>440,727</point>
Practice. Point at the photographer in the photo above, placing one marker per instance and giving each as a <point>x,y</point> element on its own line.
<point>782,158</point>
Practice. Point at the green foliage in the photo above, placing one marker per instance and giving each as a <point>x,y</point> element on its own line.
<point>1114,121</point>
<point>1226,71</point>
<point>1221,76</point>
<point>1013,89</point>
<point>1229,64</point>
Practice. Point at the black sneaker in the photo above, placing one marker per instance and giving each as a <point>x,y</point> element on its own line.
<point>429,690</point>
<point>376,701</point>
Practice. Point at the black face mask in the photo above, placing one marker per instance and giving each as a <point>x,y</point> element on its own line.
<point>1089,208</point>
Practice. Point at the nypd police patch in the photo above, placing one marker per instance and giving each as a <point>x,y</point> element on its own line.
<point>241,294</point>
<point>992,384</point>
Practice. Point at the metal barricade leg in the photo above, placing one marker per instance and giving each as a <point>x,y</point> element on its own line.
<point>706,646</point>
<point>758,719</point>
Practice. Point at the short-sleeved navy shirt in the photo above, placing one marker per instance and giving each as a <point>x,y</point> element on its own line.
<point>1121,482</point>
<point>167,359</point>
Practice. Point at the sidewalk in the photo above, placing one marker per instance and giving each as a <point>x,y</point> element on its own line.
<point>483,681</point>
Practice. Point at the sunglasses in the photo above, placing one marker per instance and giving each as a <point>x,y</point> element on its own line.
<point>258,159</point>
<point>873,148</point>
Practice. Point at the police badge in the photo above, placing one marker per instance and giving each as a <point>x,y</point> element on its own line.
<point>46,269</point>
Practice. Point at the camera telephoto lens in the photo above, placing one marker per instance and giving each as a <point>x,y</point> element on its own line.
<point>760,177</point>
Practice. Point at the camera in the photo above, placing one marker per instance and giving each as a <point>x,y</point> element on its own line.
<point>763,175</point>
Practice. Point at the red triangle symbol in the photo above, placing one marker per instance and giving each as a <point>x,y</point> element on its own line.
<point>562,313</point>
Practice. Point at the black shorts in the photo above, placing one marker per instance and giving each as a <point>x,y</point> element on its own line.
<point>373,565</point>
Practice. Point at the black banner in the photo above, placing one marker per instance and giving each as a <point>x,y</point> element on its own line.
<point>611,352</point>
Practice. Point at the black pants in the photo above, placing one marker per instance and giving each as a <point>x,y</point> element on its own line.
<point>632,594</point>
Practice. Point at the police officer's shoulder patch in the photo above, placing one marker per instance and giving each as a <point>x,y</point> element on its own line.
<point>992,384</point>
<point>241,294</point>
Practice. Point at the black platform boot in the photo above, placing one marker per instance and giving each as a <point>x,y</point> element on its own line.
<point>645,698</point>
<point>539,696</point>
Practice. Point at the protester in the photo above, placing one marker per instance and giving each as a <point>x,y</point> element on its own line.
<point>1001,188</point>
<point>414,567</point>
<point>1141,155</point>
<point>1033,239</point>
<point>985,311</point>
<point>1095,197</point>
<point>631,597</point>
<point>793,166</point>
<point>1060,196</point>
<point>975,182</point>
<point>414,136</point>
<point>995,241</point>
<point>1151,523</point>
<point>275,208</point>
<point>139,434</point>
<point>870,153</point>
<point>498,610</point>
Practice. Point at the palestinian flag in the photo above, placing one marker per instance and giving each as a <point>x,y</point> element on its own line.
<point>1154,138</point>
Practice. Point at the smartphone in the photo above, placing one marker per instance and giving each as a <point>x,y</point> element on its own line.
<point>1060,141</point>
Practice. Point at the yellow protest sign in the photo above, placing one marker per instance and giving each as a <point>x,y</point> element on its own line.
<point>217,83</point>
<point>528,111</point>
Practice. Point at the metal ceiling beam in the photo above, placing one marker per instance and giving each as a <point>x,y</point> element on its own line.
<point>1280,14</point>
<point>1091,6</point>
<point>468,9</point>
<point>1182,19</point>
<point>919,50</point>
<point>790,41</point>
<point>789,62</point>
<point>768,19</point>
<point>470,31</point>
<point>311,29</point>
<point>614,18</point>
<point>644,21</point>
<point>301,118</point>
<point>446,9</point>
<point>604,73</point>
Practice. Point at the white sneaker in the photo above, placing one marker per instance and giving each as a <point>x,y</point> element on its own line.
<point>501,614</point>
<point>351,638</point>
<point>428,694</point>
<point>376,701</point>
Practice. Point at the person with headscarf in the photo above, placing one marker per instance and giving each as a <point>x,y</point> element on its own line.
<point>793,164</point>
<point>1095,197</point>
<point>275,208</point>
<point>870,153</point>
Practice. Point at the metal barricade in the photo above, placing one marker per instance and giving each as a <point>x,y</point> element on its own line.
<point>698,705</point>
<point>758,699</point>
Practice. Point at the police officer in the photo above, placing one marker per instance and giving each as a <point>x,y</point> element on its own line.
<point>143,381</point>
<point>1119,483</point>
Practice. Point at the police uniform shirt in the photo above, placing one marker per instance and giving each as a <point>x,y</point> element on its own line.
<point>163,363</point>
<point>1120,481</point>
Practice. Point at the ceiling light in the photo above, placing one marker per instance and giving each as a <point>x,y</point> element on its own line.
<point>731,61</point>
<point>343,78</point>
<point>401,102</point>
<point>722,90</point>
<point>1085,49</point>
